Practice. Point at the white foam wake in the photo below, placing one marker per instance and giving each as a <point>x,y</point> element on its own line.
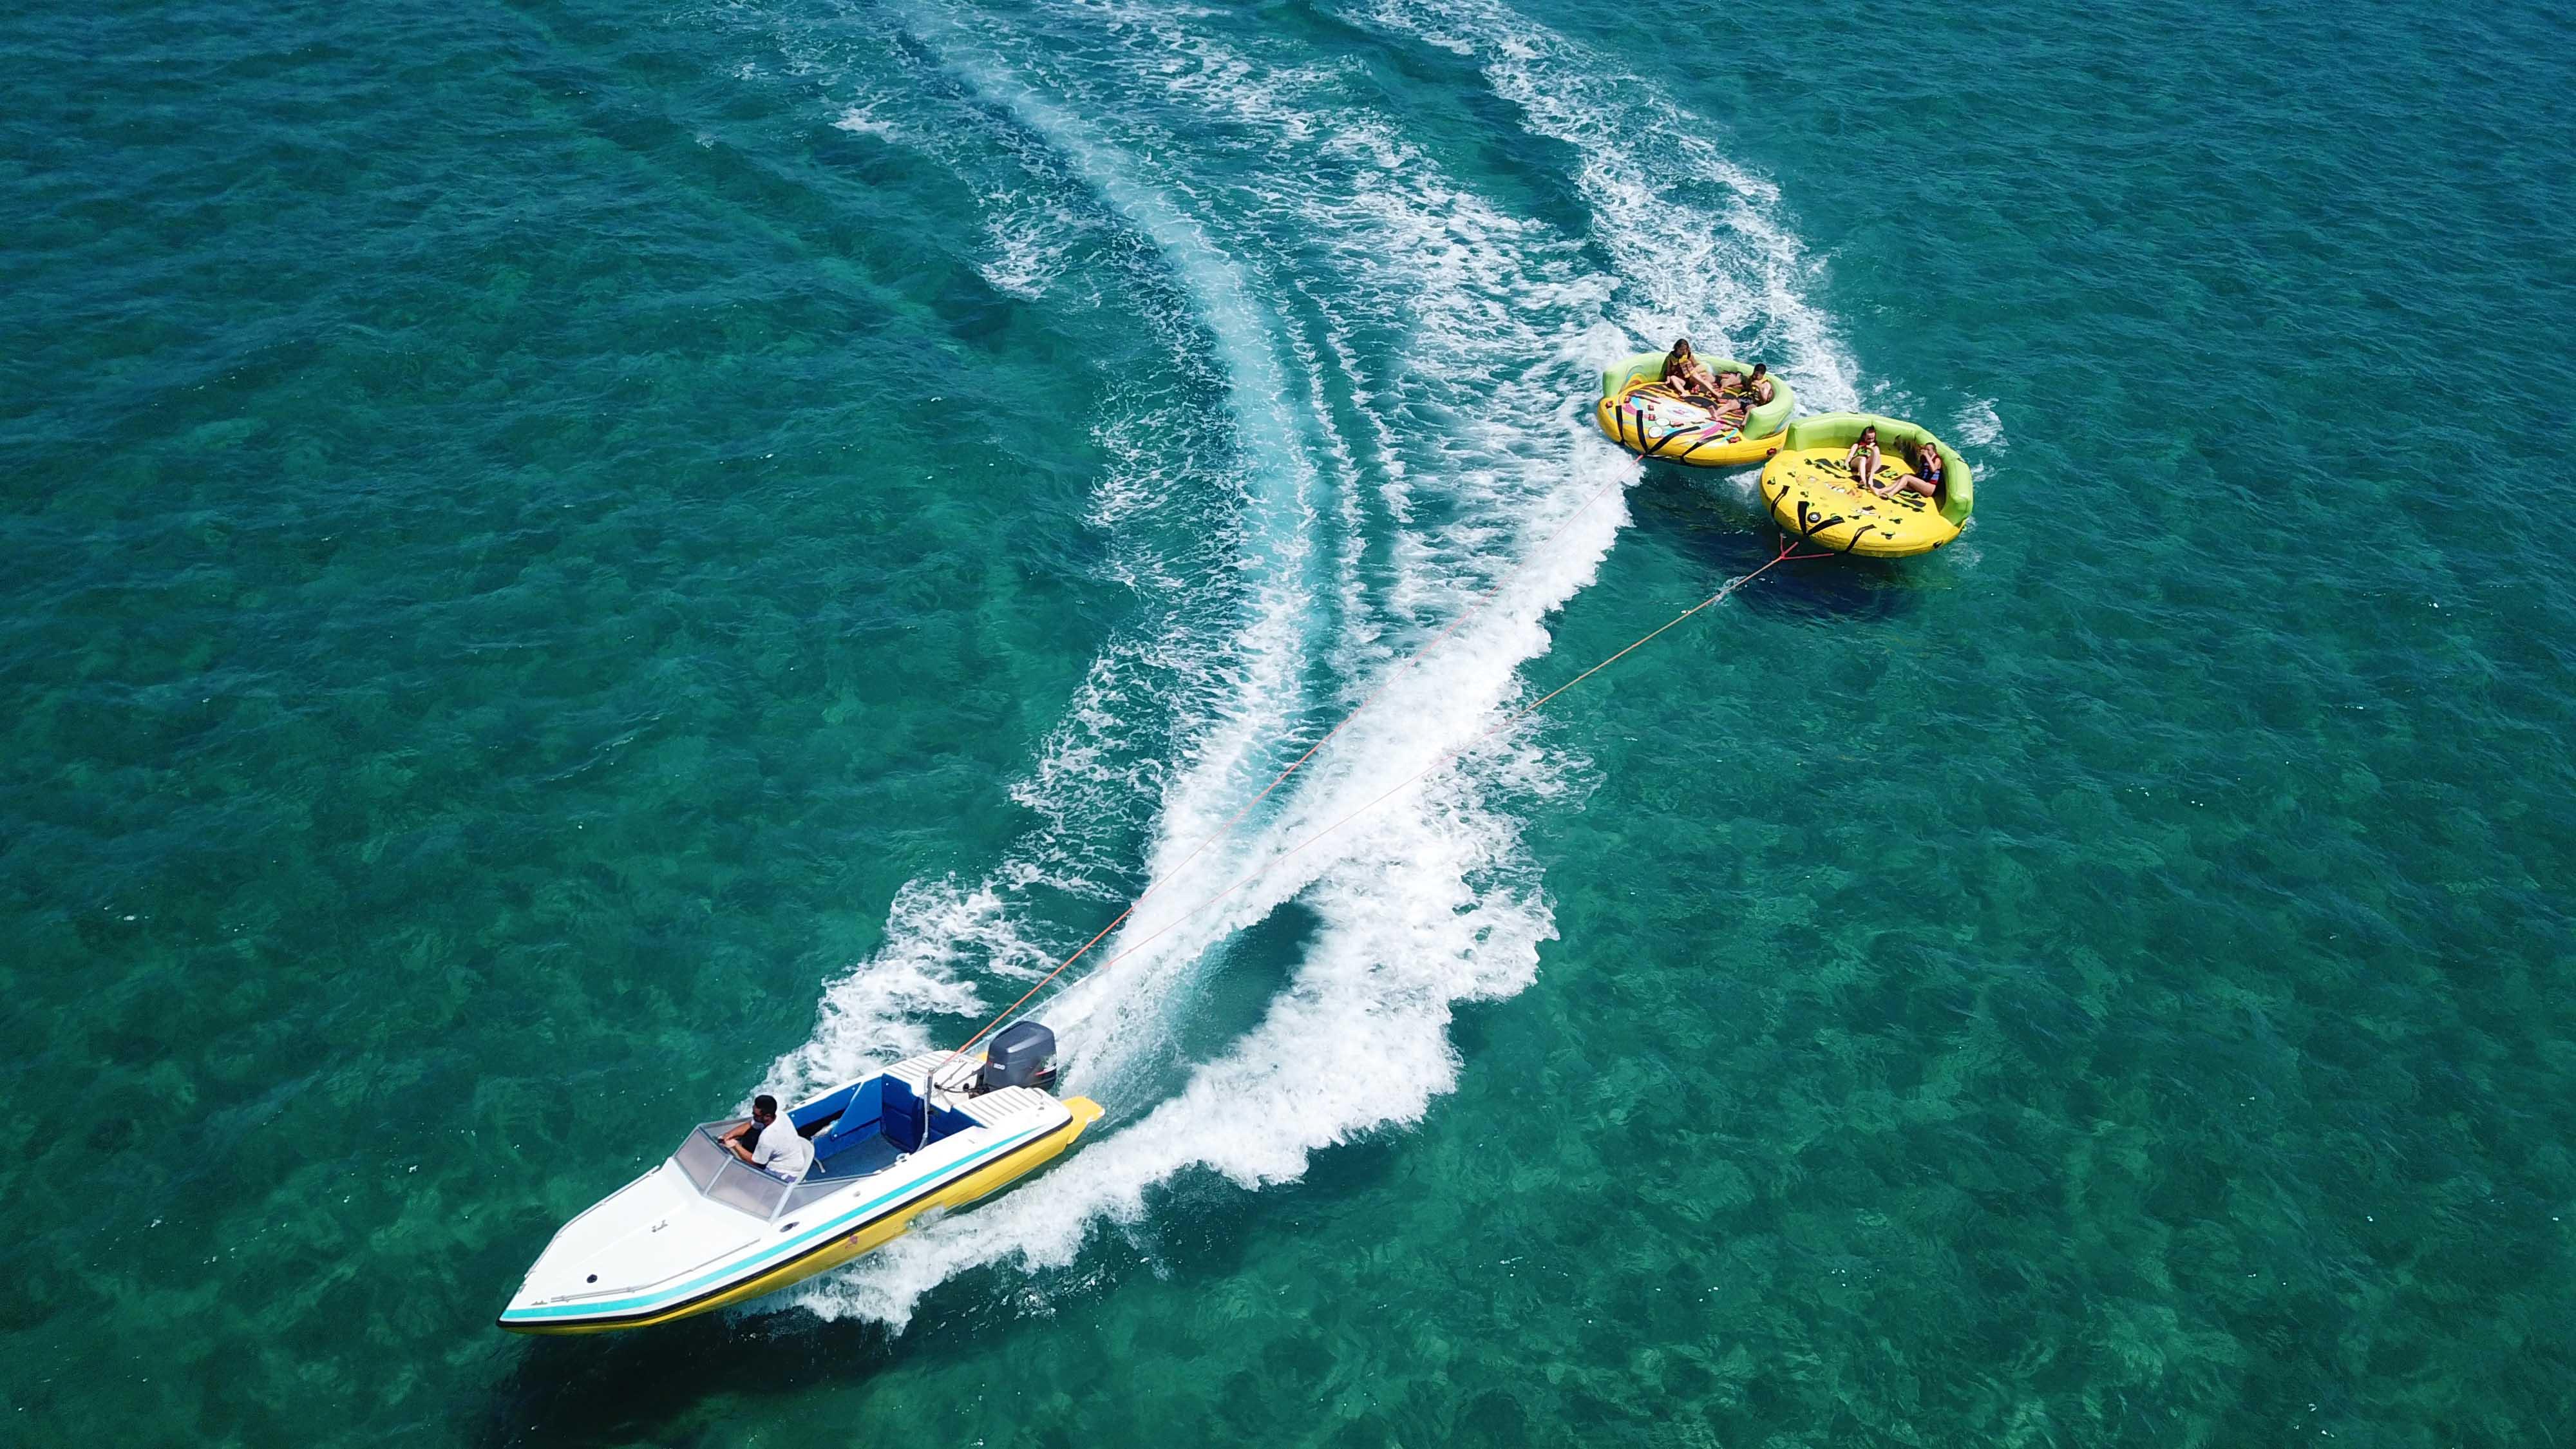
<point>1404,368</point>
<point>1699,242</point>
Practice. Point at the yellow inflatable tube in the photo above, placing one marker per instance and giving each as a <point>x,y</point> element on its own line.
<point>1814,498</point>
<point>1640,414</point>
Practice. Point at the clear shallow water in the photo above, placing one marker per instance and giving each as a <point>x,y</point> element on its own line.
<point>567,566</point>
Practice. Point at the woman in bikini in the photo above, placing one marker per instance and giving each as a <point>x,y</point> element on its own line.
<point>1726,401</point>
<point>1862,459</point>
<point>1732,400</point>
<point>1925,479</point>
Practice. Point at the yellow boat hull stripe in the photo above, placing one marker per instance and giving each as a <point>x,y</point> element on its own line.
<point>844,1244</point>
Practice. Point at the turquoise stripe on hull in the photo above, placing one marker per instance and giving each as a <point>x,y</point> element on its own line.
<point>651,1302</point>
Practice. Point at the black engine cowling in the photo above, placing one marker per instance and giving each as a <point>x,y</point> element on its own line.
<point>1021,1055</point>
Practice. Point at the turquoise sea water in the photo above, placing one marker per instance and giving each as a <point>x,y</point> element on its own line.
<point>568,564</point>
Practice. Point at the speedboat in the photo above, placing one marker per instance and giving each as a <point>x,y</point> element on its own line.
<point>705,1229</point>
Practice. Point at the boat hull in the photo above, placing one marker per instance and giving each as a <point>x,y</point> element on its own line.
<point>842,1247</point>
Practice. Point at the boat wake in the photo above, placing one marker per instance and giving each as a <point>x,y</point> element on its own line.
<point>1403,367</point>
<point>1700,244</point>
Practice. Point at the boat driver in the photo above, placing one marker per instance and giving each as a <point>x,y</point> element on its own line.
<point>782,1153</point>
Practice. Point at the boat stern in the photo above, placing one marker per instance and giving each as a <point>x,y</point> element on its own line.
<point>1085,1112</point>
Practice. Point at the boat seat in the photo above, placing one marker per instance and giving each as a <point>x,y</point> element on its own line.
<point>856,1155</point>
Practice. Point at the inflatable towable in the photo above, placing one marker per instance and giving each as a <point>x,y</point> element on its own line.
<point>1814,498</point>
<point>1648,419</point>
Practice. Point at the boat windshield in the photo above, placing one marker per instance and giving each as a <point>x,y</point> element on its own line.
<point>725,1178</point>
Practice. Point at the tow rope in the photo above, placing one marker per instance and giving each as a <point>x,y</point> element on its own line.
<point>1506,576</point>
<point>1787,554</point>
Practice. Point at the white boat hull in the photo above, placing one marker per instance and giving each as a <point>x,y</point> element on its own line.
<point>661,1248</point>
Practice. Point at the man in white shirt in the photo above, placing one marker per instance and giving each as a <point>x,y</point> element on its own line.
<point>783,1150</point>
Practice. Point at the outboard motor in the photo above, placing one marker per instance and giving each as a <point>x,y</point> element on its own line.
<point>1022,1055</point>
